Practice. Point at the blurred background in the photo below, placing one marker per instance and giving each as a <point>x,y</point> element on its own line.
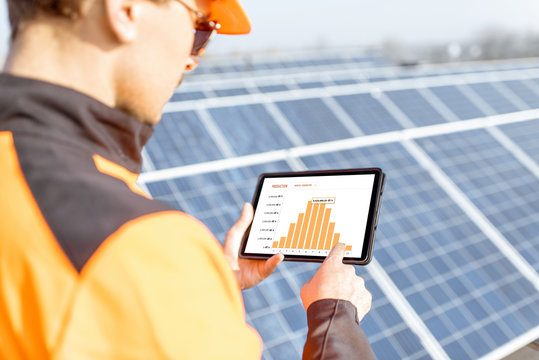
<point>443,96</point>
<point>414,29</point>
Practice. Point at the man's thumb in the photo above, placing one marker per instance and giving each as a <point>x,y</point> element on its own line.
<point>245,218</point>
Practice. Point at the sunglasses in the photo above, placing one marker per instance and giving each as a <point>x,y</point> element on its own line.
<point>205,30</point>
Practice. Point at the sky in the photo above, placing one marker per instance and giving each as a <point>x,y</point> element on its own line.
<point>297,24</point>
<point>279,24</point>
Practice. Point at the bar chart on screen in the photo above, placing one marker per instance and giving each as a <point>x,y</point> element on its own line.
<point>313,229</point>
<point>308,216</point>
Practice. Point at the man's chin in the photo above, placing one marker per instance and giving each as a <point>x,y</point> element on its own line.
<point>140,115</point>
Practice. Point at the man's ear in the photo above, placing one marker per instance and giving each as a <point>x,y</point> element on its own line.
<point>121,16</point>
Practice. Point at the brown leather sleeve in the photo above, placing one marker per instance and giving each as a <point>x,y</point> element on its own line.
<point>334,332</point>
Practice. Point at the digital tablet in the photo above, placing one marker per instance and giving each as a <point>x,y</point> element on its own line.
<point>304,214</point>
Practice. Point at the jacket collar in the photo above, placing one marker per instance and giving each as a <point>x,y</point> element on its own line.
<point>76,117</point>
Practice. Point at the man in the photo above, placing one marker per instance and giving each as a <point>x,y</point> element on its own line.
<point>90,267</point>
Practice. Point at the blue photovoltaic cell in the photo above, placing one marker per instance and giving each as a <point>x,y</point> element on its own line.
<point>345,81</point>
<point>448,270</point>
<point>313,121</point>
<point>368,113</point>
<point>231,92</point>
<point>523,92</point>
<point>455,100</point>
<point>526,135</point>
<point>377,78</point>
<point>492,97</point>
<point>180,139</point>
<point>310,85</point>
<point>414,105</point>
<point>272,88</point>
<point>496,182</point>
<point>186,96</point>
<point>239,124</point>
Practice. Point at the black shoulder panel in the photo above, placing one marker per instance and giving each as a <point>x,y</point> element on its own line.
<point>82,206</point>
<point>56,131</point>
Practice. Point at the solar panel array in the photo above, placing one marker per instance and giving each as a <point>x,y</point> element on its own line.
<point>456,259</point>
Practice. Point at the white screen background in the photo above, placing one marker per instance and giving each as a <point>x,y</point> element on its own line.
<point>283,199</point>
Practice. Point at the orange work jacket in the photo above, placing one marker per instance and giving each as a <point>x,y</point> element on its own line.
<point>90,267</point>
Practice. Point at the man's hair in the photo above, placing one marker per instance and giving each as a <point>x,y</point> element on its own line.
<point>21,11</point>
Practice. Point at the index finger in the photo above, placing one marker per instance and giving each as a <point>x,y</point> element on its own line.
<point>336,255</point>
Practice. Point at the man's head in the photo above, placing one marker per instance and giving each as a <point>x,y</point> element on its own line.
<point>228,13</point>
<point>139,48</point>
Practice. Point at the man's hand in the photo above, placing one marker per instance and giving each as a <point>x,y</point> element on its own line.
<point>248,272</point>
<point>334,280</point>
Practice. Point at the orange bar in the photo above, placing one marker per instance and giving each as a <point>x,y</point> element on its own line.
<point>298,229</point>
<point>289,236</point>
<point>324,230</point>
<point>275,244</point>
<point>348,248</point>
<point>314,244</point>
<point>306,219</point>
<point>281,243</point>
<point>329,236</point>
<point>335,239</point>
<point>311,227</point>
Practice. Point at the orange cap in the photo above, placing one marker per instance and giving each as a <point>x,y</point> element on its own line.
<point>231,16</point>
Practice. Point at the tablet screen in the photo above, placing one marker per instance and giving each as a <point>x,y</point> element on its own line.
<point>307,215</point>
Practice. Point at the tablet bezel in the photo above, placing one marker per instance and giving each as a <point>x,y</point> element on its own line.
<point>372,220</point>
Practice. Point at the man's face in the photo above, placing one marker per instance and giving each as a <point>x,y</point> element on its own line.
<point>154,63</point>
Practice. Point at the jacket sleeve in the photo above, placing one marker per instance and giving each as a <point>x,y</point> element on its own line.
<point>334,332</point>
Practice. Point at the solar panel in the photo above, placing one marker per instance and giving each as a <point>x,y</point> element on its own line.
<point>313,120</point>
<point>498,184</point>
<point>494,98</point>
<point>364,107</point>
<point>196,145</point>
<point>416,107</point>
<point>457,251</point>
<point>525,135</point>
<point>239,123</point>
<point>457,102</point>
<point>524,90</point>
